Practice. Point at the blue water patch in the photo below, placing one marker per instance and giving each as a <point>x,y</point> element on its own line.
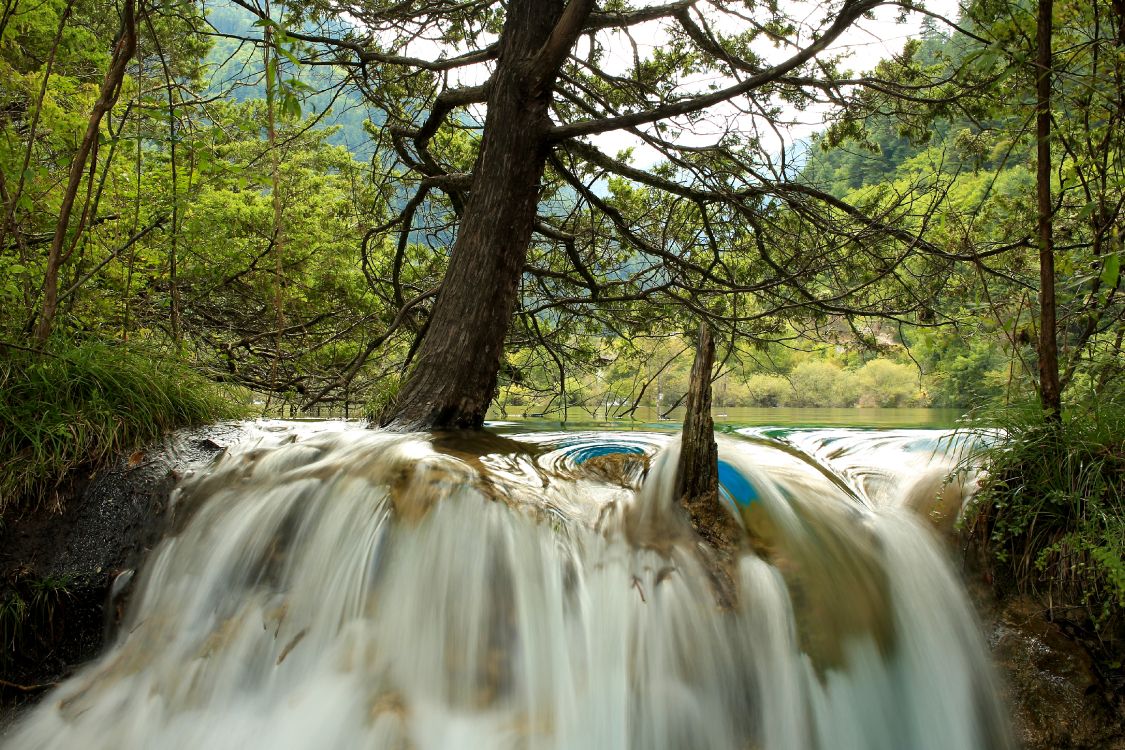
<point>735,486</point>
<point>586,452</point>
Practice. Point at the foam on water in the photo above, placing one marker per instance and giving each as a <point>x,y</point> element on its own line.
<point>344,588</point>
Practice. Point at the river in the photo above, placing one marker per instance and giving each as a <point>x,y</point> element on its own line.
<point>725,418</point>
<point>337,587</point>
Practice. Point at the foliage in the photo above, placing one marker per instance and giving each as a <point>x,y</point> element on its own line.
<point>767,390</point>
<point>820,383</point>
<point>884,383</point>
<point>964,155</point>
<point>1051,509</point>
<point>28,607</point>
<point>82,405</point>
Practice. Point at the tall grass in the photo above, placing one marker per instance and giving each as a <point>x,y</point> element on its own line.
<point>1051,509</point>
<point>80,406</point>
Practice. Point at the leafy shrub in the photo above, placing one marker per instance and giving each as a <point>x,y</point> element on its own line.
<point>821,383</point>
<point>1051,510</point>
<point>767,390</point>
<point>884,383</point>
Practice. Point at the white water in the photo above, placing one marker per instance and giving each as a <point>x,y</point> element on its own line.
<point>342,588</point>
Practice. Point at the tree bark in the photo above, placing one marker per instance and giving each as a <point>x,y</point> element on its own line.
<point>455,372</point>
<point>273,80</point>
<point>697,477</point>
<point>697,474</point>
<point>1050,395</point>
<point>107,97</point>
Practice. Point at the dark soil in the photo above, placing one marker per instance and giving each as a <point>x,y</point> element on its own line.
<point>65,574</point>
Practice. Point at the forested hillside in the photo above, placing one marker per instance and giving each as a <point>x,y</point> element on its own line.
<point>250,226</point>
<point>964,161</point>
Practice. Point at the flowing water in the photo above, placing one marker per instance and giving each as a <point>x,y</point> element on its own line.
<point>335,587</point>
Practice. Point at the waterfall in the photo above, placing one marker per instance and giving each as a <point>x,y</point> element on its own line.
<point>334,587</point>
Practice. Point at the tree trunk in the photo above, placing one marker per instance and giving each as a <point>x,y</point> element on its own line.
<point>697,476</point>
<point>273,79</point>
<point>698,471</point>
<point>107,97</point>
<point>455,371</point>
<point>1049,387</point>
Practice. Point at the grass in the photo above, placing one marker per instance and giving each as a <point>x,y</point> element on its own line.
<point>81,406</point>
<point>1051,511</point>
<point>28,612</point>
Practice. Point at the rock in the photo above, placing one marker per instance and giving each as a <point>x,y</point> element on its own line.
<point>622,469</point>
<point>71,568</point>
<point>1051,684</point>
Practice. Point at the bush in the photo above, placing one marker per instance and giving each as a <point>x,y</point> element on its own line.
<point>820,383</point>
<point>884,383</point>
<point>767,390</point>
<point>81,406</point>
<point>1051,511</point>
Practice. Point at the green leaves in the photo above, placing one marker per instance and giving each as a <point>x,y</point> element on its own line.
<point>1111,270</point>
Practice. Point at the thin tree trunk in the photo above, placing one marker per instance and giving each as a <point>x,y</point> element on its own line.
<point>454,376</point>
<point>13,200</point>
<point>1049,390</point>
<point>273,75</point>
<point>90,206</point>
<point>107,97</point>
<point>136,199</point>
<point>174,229</point>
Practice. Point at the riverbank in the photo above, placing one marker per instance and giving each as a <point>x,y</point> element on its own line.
<point>65,567</point>
<point>1058,697</point>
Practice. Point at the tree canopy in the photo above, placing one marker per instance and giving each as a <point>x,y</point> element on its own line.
<point>550,188</point>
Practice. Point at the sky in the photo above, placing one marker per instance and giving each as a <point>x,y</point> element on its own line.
<point>866,43</point>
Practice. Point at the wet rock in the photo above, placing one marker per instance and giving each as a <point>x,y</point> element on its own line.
<point>622,469</point>
<point>1050,682</point>
<point>69,571</point>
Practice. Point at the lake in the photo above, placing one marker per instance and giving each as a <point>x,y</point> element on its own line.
<point>647,418</point>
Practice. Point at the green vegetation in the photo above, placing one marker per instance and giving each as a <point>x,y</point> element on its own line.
<point>1051,512</point>
<point>655,375</point>
<point>30,609</point>
<point>78,407</point>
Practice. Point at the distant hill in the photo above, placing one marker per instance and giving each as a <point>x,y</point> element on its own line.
<point>237,67</point>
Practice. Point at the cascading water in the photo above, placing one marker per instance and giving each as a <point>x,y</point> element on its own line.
<point>334,587</point>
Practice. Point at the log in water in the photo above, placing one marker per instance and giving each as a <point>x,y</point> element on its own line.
<point>335,587</point>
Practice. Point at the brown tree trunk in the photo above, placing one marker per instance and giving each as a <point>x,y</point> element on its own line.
<point>107,97</point>
<point>1050,395</point>
<point>697,477</point>
<point>697,474</point>
<point>454,376</point>
<point>272,81</point>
